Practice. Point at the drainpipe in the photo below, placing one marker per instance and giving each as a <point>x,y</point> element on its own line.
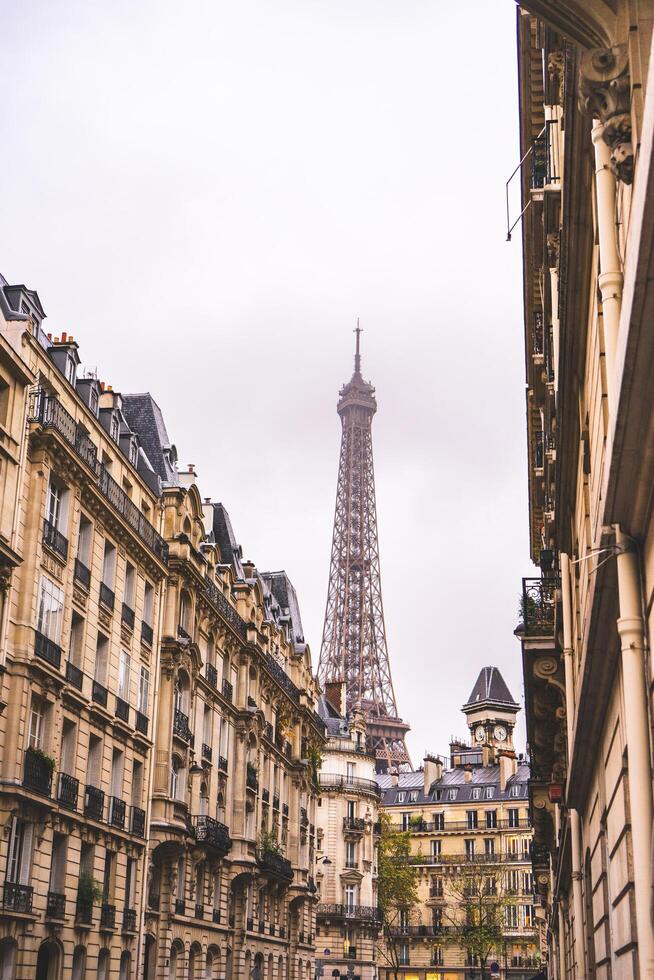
<point>632,643</point>
<point>610,277</point>
<point>561,942</point>
<point>575,822</point>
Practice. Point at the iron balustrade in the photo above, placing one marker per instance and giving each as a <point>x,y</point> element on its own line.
<point>127,616</point>
<point>18,898</point>
<point>82,574</point>
<point>137,825</point>
<point>37,774</point>
<point>538,605</point>
<point>216,916</point>
<point>223,607</point>
<point>181,726</point>
<point>147,634</point>
<point>268,731</point>
<point>276,865</point>
<point>142,722</point>
<point>434,827</point>
<point>84,911</point>
<point>128,510</point>
<point>51,414</point>
<point>55,540</point>
<point>228,690</point>
<point>211,674</point>
<point>47,649</point>
<point>206,752</point>
<point>107,596</point>
<point>222,763</point>
<point>117,811</point>
<point>108,916</point>
<point>251,780</point>
<point>122,709</point>
<point>418,931</point>
<point>199,911</point>
<point>328,781</point>
<point>129,920</point>
<point>275,803</point>
<point>55,906</point>
<point>180,906</point>
<point>74,675</point>
<point>265,795</point>
<point>99,693</point>
<point>357,824</point>
<point>68,791</point>
<point>93,802</point>
<point>153,901</point>
<point>282,678</point>
<point>284,809</point>
<point>489,860</point>
<point>542,168</point>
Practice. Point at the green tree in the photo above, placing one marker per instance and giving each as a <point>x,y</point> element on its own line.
<point>397,891</point>
<point>475,909</point>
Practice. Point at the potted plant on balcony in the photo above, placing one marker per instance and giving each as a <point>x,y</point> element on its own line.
<point>314,759</point>
<point>48,761</point>
<point>269,844</point>
<point>416,822</point>
<point>89,891</point>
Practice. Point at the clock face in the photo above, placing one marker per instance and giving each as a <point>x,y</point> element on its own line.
<point>500,733</point>
<point>480,733</point>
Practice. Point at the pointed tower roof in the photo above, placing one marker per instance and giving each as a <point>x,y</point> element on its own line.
<point>357,392</point>
<point>490,690</point>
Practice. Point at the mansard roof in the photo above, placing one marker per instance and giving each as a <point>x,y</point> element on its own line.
<point>146,419</point>
<point>490,688</point>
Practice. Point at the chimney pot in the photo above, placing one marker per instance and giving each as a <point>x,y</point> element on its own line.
<point>63,338</point>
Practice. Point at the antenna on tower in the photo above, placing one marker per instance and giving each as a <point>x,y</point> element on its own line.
<point>357,357</point>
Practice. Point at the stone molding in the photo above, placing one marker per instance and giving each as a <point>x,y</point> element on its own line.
<point>605,94</point>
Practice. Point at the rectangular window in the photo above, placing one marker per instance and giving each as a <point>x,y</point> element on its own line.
<point>527,916</point>
<point>94,764</point>
<point>137,783</point>
<point>36,723</point>
<point>489,847</point>
<point>413,796</point>
<point>68,746</point>
<point>490,792</point>
<point>76,648</point>
<point>130,883</point>
<point>130,585</point>
<point>144,690</point>
<point>84,541</point>
<point>452,794</point>
<point>470,849</point>
<point>511,916</point>
<point>351,855</point>
<point>351,809</point>
<point>148,603</point>
<point>101,659</point>
<point>108,876</point>
<point>406,821</point>
<point>58,864</point>
<point>350,771</point>
<point>51,610</point>
<point>439,821</point>
<point>436,848</point>
<point>514,817</point>
<point>491,818</point>
<point>350,896</point>
<point>476,793</point>
<point>401,797</point>
<point>512,882</point>
<point>54,504</point>
<point>20,852</point>
<point>109,564</point>
<point>124,675</point>
<point>471,819</point>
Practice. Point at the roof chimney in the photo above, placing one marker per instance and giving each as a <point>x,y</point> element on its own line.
<point>432,770</point>
<point>335,695</point>
<point>508,768</point>
<point>394,777</point>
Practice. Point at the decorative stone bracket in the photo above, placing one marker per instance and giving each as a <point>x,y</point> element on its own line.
<point>605,94</point>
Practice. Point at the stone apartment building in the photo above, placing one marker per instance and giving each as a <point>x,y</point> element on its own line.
<point>157,716</point>
<point>474,815</point>
<point>587,132</point>
<point>347,917</point>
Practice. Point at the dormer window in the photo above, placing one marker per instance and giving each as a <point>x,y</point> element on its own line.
<point>71,369</point>
<point>452,794</point>
<point>93,401</point>
<point>401,797</point>
<point>133,451</point>
<point>114,428</point>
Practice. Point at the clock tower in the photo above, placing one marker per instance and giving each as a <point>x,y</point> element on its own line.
<point>491,711</point>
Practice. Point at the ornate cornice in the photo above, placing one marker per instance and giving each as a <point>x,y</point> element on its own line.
<point>605,94</point>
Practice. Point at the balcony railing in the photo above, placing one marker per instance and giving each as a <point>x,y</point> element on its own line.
<point>93,802</point>
<point>108,917</point>
<point>99,693</point>
<point>281,677</point>
<point>55,906</point>
<point>275,864</point>
<point>55,540</point>
<point>137,825</point>
<point>84,911</point>
<point>228,690</point>
<point>348,783</point>
<point>117,810</point>
<point>68,791</point>
<point>180,906</point>
<point>129,920</point>
<point>146,634</point>
<point>436,827</point>
<point>251,779</point>
<point>268,731</point>
<point>37,774</point>
<point>538,605</point>
<point>199,910</point>
<point>18,898</point>
<point>227,611</point>
<point>211,674</point>
<point>122,709</point>
<point>417,931</point>
<point>74,675</point>
<point>127,616</point>
<point>216,916</point>
<point>132,515</point>
<point>212,833</point>
<point>206,752</point>
<point>107,596</point>
<point>222,763</point>
<point>181,726</point>
<point>47,650</point>
<point>484,859</point>
<point>82,574</point>
<point>354,824</point>
<point>142,722</point>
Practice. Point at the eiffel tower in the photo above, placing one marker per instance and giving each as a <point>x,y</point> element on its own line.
<point>353,646</point>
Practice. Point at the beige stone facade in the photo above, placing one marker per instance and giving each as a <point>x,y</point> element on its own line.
<point>157,719</point>
<point>347,918</point>
<point>472,817</point>
<point>586,123</point>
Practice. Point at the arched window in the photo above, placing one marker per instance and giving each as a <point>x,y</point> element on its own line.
<point>103,964</point>
<point>176,969</point>
<point>125,965</point>
<point>79,963</point>
<point>7,959</point>
<point>177,779</point>
<point>181,694</point>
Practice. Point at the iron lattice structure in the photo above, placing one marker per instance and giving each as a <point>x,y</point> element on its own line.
<point>354,646</point>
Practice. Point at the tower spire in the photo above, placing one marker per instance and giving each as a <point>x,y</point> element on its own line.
<point>354,646</point>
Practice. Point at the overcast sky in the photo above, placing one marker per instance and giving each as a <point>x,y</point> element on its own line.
<point>208,194</point>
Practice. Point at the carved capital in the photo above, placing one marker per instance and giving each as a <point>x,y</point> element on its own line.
<point>604,93</point>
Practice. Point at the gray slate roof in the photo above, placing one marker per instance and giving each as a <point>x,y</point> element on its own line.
<point>490,686</point>
<point>146,419</point>
<point>481,776</point>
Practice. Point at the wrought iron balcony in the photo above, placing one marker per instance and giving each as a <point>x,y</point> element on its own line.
<point>68,791</point>
<point>55,540</point>
<point>180,906</point>
<point>93,802</point>
<point>329,781</point>
<point>153,901</point>
<point>249,924</point>
<point>99,693</point>
<point>262,926</point>
<point>84,911</point>
<point>222,763</point>
<point>482,859</point>
<point>119,500</point>
<point>122,709</point>
<point>199,910</point>
<point>251,780</point>
<point>117,811</point>
<point>147,634</point>
<point>281,677</point>
<point>82,574</point>
<point>268,731</point>
<point>47,650</point>
<point>449,826</point>
<point>107,596</point>
<point>55,906</point>
<point>354,824</point>
<point>275,865</point>
<point>129,920</point>
<point>137,825</point>
<point>74,675</point>
<point>538,605</point>
<point>228,690</point>
<point>206,752</point>
<point>275,803</point>
<point>362,913</point>
<point>17,898</point>
<point>127,616</point>
<point>51,414</point>
<point>37,774</point>
<point>212,833</point>
<point>284,809</point>
<point>265,795</point>
<point>228,613</point>
<point>211,674</point>
<point>216,916</point>
<point>142,722</point>
<point>108,917</point>
<point>181,727</point>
